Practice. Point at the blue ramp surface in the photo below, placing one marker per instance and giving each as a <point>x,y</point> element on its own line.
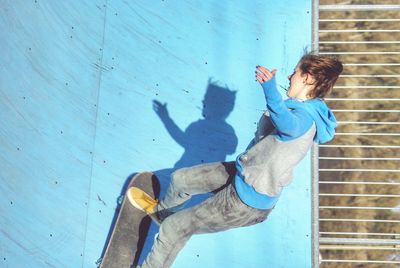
<point>94,91</point>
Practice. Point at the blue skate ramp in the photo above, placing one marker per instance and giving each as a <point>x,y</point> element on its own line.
<point>95,91</point>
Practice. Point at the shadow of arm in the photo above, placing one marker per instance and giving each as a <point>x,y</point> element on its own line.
<point>176,133</point>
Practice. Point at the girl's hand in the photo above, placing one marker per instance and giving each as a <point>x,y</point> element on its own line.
<point>263,74</point>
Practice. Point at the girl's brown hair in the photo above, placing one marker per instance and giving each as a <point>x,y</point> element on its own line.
<point>324,70</point>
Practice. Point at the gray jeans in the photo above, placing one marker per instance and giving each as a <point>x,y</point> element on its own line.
<point>220,212</point>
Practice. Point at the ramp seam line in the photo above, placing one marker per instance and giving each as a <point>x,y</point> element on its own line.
<point>95,132</point>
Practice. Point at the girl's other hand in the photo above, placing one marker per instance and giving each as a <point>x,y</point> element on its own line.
<point>263,74</point>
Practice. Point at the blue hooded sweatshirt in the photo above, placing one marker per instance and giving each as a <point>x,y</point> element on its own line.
<point>292,118</point>
<point>293,123</point>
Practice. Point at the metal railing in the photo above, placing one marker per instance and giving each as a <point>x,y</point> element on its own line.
<point>356,178</point>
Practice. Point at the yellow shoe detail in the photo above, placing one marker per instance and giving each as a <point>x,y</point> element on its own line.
<point>142,201</point>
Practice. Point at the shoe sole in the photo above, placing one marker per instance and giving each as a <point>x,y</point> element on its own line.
<point>131,199</point>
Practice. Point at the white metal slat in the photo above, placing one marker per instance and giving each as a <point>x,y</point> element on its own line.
<point>360,241</point>
<point>358,7</point>
<point>359,170</point>
<point>352,247</point>
<point>360,182</point>
<point>370,75</point>
<point>360,42</point>
<point>366,111</point>
<point>362,208</point>
<point>360,146</point>
<point>360,220</point>
<point>361,195</point>
<point>358,233</point>
<point>367,123</point>
<point>361,53</point>
<point>360,31</point>
<point>360,99</point>
<point>358,20</point>
<point>365,134</point>
<point>372,64</point>
<point>362,261</point>
<point>315,256</point>
<point>358,86</point>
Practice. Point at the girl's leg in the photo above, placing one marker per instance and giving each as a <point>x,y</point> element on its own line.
<point>218,213</point>
<point>199,179</point>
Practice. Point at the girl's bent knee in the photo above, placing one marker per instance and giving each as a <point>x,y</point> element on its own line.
<point>178,177</point>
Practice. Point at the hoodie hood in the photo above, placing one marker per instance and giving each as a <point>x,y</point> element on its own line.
<point>323,117</point>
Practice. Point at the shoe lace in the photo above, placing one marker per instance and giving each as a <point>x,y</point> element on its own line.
<point>151,201</point>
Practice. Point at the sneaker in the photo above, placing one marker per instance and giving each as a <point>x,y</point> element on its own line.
<point>144,202</point>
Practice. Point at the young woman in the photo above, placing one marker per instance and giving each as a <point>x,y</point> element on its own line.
<point>248,188</point>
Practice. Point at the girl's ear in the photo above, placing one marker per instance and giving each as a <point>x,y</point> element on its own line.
<point>308,79</point>
<point>305,78</point>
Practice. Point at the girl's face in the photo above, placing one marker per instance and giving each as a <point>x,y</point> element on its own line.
<point>299,85</point>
